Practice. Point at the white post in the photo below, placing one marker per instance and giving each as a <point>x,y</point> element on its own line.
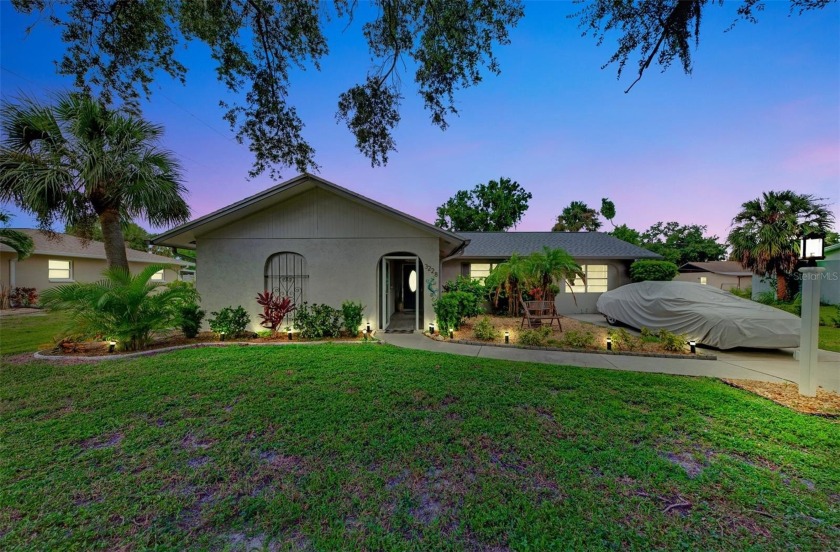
<point>808,338</point>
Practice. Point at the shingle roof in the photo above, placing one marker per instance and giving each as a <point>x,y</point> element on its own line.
<point>577,244</point>
<point>65,245</point>
<point>725,268</point>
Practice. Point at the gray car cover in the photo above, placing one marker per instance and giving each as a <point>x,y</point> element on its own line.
<point>710,316</point>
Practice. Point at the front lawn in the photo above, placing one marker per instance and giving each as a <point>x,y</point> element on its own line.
<point>373,447</point>
<point>20,333</point>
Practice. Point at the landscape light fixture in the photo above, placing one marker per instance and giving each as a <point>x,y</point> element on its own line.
<point>222,336</point>
<point>111,346</point>
<point>507,336</point>
<point>290,335</point>
<point>451,333</point>
<point>609,343</point>
<point>431,328</point>
<point>812,247</point>
<point>367,329</point>
<point>693,345</point>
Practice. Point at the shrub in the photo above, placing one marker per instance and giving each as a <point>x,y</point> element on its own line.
<point>767,297</point>
<point>485,331</point>
<point>467,285</point>
<point>574,339</point>
<point>265,333</point>
<point>229,321</point>
<point>834,320</point>
<point>190,317</point>
<point>622,339</point>
<point>455,306</point>
<point>645,331</point>
<point>745,293</point>
<point>535,338</point>
<point>22,297</point>
<point>656,271</point>
<point>352,315</point>
<point>671,341</point>
<point>318,320</point>
<point>275,309</point>
<point>126,308</point>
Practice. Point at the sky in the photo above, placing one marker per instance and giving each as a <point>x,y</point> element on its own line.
<point>760,112</point>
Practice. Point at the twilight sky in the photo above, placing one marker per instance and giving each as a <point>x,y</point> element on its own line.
<point>760,112</point>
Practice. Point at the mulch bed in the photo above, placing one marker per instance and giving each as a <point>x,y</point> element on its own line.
<point>826,403</point>
<point>511,324</point>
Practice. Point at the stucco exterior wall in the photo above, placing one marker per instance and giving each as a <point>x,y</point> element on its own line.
<point>580,303</point>
<point>718,281</point>
<point>342,242</point>
<point>33,271</point>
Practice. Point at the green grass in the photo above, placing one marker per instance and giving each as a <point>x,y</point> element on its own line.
<point>373,447</point>
<point>21,333</point>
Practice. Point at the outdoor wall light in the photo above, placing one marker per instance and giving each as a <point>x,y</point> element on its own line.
<point>609,343</point>
<point>431,328</point>
<point>812,247</point>
<point>693,345</point>
<point>111,346</point>
<point>507,336</point>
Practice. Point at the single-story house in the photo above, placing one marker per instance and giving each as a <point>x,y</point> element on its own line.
<point>723,275</point>
<point>61,259</point>
<point>830,284</point>
<point>315,241</point>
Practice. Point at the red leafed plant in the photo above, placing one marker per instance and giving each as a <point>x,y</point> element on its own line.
<point>275,309</point>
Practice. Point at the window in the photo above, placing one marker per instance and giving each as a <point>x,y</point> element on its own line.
<point>703,280</point>
<point>158,276</point>
<point>285,274</point>
<point>60,271</point>
<point>480,271</point>
<point>597,280</point>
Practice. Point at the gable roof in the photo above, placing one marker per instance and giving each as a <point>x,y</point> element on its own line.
<point>184,236</point>
<point>724,268</point>
<point>65,245</point>
<point>581,245</point>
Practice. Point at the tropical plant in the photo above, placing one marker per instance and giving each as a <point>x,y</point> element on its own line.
<point>765,232</point>
<point>229,321</point>
<point>191,316</point>
<point>352,314</point>
<point>576,217</point>
<point>318,320</point>
<point>550,266</point>
<point>492,207</point>
<point>275,309</point>
<point>79,162</point>
<point>510,278</point>
<point>20,242</point>
<point>537,337</point>
<point>124,307</point>
<point>23,297</point>
<point>646,270</point>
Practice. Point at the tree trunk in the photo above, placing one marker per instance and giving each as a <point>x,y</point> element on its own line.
<point>781,287</point>
<point>112,236</point>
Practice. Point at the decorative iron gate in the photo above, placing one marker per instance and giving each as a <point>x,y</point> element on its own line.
<point>285,275</point>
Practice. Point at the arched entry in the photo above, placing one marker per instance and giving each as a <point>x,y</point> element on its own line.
<point>400,296</point>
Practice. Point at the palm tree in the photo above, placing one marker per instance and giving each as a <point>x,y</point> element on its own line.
<point>511,277</point>
<point>553,265</point>
<point>764,237</point>
<point>80,163</point>
<point>128,309</point>
<point>576,217</point>
<point>20,242</point>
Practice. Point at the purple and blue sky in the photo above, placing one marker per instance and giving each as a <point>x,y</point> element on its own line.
<point>760,112</point>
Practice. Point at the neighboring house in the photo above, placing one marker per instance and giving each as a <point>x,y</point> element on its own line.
<point>63,259</point>
<point>314,241</point>
<point>724,275</point>
<point>830,284</point>
<point>605,261</point>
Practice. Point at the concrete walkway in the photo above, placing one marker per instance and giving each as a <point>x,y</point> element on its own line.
<point>774,365</point>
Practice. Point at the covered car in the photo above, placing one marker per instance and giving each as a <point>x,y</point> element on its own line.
<point>710,316</point>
